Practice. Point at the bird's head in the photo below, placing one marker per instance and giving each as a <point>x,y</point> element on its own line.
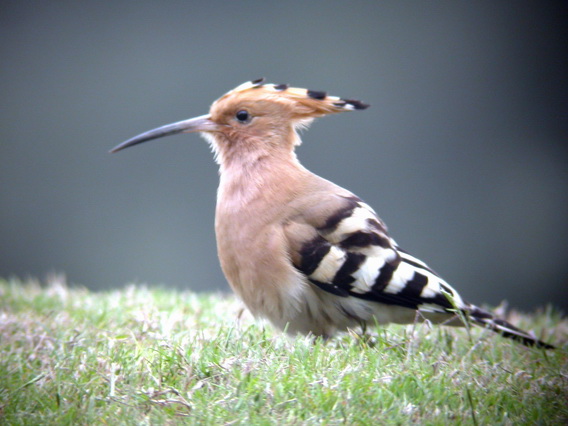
<point>255,116</point>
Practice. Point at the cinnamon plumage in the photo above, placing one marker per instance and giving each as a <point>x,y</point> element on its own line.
<point>299,250</point>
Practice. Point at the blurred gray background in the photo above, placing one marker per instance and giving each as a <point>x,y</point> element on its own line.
<point>462,152</point>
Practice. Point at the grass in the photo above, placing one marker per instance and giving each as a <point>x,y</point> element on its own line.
<point>156,356</point>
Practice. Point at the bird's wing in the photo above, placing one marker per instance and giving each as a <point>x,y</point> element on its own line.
<point>351,255</point>
<point>347,252</point>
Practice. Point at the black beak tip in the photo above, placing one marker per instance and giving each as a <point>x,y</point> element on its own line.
<point>122,146</point>
<point>115,150</point>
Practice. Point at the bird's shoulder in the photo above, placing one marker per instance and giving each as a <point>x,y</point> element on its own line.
<point>333,229</point>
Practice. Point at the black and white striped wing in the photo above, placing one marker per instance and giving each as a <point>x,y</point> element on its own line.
<point>353,256</point>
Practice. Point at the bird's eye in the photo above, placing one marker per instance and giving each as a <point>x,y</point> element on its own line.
<point>242,116</point>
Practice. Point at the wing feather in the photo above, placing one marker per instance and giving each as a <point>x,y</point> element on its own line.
<point>353,256</point>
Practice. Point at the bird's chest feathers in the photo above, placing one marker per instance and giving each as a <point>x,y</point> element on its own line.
<point>254,196</point>
<point>250,237</point>
<point>246,220</point>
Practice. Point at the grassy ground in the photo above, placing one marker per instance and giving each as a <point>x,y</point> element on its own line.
<point>155,356</point>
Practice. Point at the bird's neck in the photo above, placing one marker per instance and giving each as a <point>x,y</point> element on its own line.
<point>259,175</point>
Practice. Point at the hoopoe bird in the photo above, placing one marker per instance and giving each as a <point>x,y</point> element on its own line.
<point>297,249</point>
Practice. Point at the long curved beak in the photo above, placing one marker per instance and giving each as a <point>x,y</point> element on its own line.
<point>202,123</point>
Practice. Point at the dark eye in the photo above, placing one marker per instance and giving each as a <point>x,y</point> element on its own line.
<point>242,116</point>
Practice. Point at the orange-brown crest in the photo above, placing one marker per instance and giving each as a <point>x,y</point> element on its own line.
<point>290,103</point>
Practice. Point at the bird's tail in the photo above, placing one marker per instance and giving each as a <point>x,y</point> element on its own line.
<point>485,319</point>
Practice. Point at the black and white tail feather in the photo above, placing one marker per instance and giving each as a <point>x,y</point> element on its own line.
<point>353,257</point>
